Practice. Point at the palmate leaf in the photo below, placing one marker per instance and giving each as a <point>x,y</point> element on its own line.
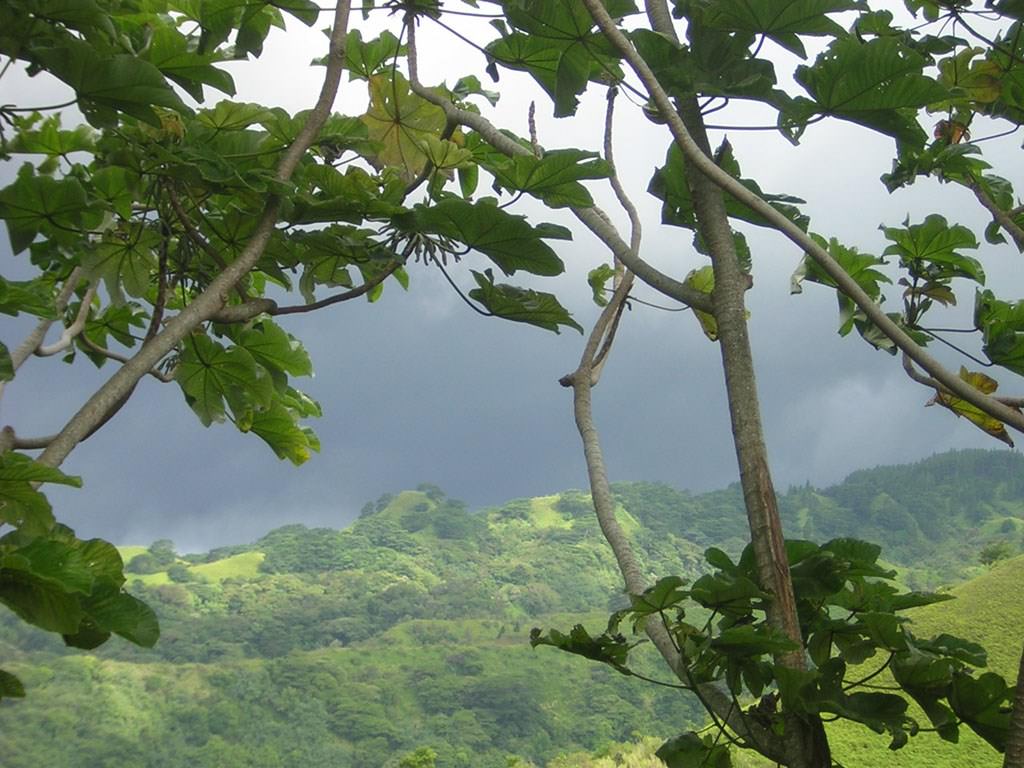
<point>274,348</point>
<point>556,45</point>
<point>39,203</point>
<point>365,59</point>
<point>120,83</point>
<point>209,374</point>
<point>125,259</point>
<point>170,53</point>
<point>21,504</point>
<point>278,427</point>
<point>507,240</point>
<point>611,649</point>
<point>400,121</point>
<point>691,751</point>
<point>669,185</point>
<point>877,83</point>
<point>780,20</point>
<point>1002,326</point>
<point>982,704</point>
<point>50,139</point>
<point>553,178</point>
<point>521,305</point>
<point>938,246</point>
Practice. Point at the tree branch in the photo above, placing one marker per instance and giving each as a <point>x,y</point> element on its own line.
<point>72,330</point>
<point>31,343</point>
<point>211,300</point>
<point>1005,219</point>
<point>592,218</point>
<point>830,266</point>
<point>156,373</point>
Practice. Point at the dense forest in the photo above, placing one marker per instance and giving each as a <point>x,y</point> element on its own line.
<point>408,629</point>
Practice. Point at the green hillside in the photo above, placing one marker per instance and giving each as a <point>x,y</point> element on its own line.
<point>325,647</point>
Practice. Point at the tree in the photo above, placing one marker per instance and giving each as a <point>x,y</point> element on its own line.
<point>180,217</point>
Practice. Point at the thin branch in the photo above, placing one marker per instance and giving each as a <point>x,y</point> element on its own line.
<point>214,297</point>
<point>69,333</point>
<point>156,373</point>
<point>193,234</point>
<point>778,221</point>
<point>366,287</point>
<point>592,218</point>
<point>1005,220</point>
<point>928,381</point>
<point>10,441</point>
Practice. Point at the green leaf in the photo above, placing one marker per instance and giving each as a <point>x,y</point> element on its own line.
<point>670,186</point>
<point>209,375</point>
<point>278,428</point>
<point>232,115</point>
<point>125,259</point>
<point>34,297</point>
<point>39,602</point>
<point>667,593</point>
<point>521,305</point>
<point>877,83</point>
<point>982,704</point>
<point>116,611</point>
<point>365,59</point>
<point>750,640</point>
<point>780,20</point>
<point>21,505</point>
<point>49,139</point>
<point>507,240</point>
<point>931,249</point>
<point>1002,326</point>
<point>598,279</point>
<point>34,204</point>
<point>400,122</point>
<point>725,593</point>
<point>6,364</point>
<point>169,51</point>
<point>691,751</point>
<point>556,45</point>
<point>120,83</point>
<point>611,649</point>
<point>272,347</point>
<point>553,178</point>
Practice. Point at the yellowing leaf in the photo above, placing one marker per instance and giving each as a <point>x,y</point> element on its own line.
<point>975,415</point>
<point>401,122</point>
<point>703,280</point>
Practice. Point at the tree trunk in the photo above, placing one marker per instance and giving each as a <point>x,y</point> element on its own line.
<point>1014,756</point>
<point>806,741</point>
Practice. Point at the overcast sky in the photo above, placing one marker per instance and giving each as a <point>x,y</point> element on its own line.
<point>417,388</point>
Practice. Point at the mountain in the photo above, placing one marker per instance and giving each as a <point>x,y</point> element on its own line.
<point>320,647</point>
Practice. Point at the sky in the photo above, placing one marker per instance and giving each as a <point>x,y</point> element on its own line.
<point>417,388</point>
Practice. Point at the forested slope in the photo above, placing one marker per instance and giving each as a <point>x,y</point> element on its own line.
<point>351,648</point>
